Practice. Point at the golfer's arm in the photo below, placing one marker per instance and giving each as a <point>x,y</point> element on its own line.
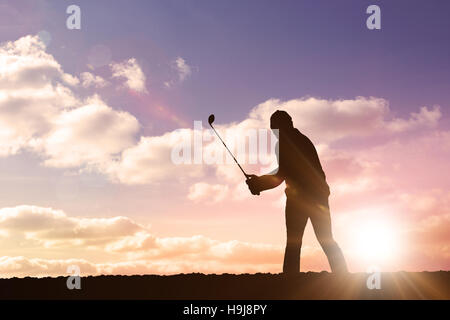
<point>274,178</point>
<point>270,181</point>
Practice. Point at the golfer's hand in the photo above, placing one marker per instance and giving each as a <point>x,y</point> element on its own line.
<point>252,182</point>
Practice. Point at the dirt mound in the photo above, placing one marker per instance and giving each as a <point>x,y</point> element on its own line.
<point>399,285</point>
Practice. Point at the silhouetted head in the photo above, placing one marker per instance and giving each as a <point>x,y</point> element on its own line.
<point>281,120</point>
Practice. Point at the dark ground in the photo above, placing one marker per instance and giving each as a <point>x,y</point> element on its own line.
<point>398,285</point>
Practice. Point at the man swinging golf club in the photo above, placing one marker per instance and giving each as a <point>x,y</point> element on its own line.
<point>306,190</point>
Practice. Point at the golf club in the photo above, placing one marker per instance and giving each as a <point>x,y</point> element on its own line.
<point>211,119</point>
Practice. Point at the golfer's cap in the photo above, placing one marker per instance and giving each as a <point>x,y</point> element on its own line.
<point>280,119</point>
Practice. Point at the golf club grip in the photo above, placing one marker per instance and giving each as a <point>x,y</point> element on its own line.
<point>248,177</point>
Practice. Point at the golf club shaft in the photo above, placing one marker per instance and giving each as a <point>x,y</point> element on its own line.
<point>246,175</point>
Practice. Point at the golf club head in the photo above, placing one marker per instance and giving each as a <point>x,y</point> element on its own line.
<point>211,119</point>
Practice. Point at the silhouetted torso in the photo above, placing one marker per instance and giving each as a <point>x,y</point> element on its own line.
<point>300,166</point>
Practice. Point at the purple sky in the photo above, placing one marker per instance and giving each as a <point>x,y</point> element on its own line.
<point>248,51</point>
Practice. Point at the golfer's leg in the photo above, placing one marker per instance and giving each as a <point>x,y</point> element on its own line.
<point>295,225</point>
<point>321,222</point>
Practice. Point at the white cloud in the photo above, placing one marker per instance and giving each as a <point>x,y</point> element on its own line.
<point>118,245</point>
<point>150,161</point>
<point>424,118</point>
<point>182,69</point>
<point>132,72</point>
<point>51,227</point>
<point>325,121</point>
<point>39,113</point>
<point>90,134</point>
<point>330,120</point>
<point>32,93</point>
<point>90,80</point>
<point>25,62</point>
<point>20,266</point>
<point>209,193</point>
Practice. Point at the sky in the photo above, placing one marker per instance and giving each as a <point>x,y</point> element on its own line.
<point>90,119</point>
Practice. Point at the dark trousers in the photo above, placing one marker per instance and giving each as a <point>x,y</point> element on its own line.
<point>298,210</point>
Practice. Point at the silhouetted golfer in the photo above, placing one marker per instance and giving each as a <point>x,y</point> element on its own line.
<point>306,190</point>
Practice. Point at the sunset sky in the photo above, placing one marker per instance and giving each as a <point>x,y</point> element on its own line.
<point>89,119</point>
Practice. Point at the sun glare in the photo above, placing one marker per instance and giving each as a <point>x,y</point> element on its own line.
<point>376,241</point>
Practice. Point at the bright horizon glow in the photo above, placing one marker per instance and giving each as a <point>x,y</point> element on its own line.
<point>376,241</point>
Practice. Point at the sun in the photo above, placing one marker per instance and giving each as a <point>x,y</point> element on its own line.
<point>376,241</point>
